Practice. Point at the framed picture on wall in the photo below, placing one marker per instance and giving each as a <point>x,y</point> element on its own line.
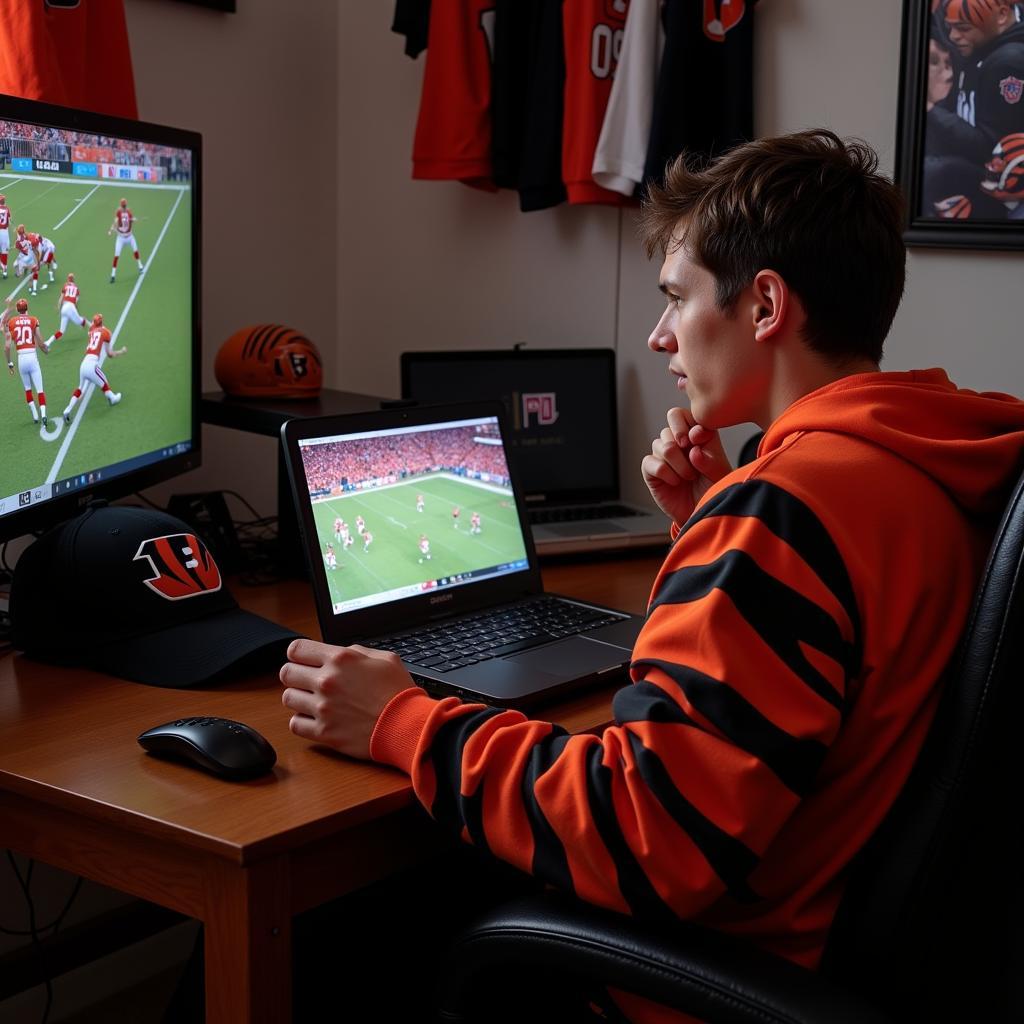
<point>960,134</point>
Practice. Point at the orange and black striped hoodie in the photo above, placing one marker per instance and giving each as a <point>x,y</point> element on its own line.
<point>782,684</point>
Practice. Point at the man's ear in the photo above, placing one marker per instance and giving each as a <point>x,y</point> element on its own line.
<point>772,302</point>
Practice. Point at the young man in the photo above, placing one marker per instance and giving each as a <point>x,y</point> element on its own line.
<point>989,40</point>
<point>787,673</point>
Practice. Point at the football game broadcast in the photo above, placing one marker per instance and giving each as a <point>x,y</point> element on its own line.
<point>95,308</point>
<point>399,512</point>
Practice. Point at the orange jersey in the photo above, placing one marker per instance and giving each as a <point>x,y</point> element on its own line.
<point>69,293</point>
<point>5,217</point>
<point>22,244</point>
<point>98,337</point>
<point>124,220</point>
<point>22,329</point>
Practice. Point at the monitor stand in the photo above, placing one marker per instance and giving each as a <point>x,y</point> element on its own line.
<point>266,416</point>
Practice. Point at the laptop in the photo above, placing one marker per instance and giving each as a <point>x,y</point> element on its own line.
<point>415,531</point>
<point>564,442</point>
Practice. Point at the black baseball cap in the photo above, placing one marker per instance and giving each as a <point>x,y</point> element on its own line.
<point>135,593</point>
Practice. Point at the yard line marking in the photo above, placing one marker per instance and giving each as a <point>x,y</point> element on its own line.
<point>75,209</point>
<point>392,519</point>
<point>90,387</point>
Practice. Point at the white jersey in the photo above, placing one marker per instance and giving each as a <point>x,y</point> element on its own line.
<point>622,146</point>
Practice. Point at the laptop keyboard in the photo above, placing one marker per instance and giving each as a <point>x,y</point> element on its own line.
<point>474,638</point>
<point>576,513</point>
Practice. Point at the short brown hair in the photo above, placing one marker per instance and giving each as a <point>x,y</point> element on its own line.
<point>811,207</point>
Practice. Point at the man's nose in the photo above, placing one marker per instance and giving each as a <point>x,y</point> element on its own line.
<point>661,340</point>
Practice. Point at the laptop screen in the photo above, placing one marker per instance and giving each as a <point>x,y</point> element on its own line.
<point>400,512</point>
<point>560,404</point>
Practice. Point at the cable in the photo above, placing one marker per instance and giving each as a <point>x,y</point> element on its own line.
<point>235,494</point>
<point>34,931</point>
<point>55,923</point>
<point>151,504</point>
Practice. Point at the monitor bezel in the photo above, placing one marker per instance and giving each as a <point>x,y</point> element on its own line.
<point>37,517</point>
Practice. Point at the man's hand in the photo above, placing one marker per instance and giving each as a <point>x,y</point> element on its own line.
<point>338,693</point>
<point>685,460</point>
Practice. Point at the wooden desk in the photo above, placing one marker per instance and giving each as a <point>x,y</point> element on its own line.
<point>77,792</point>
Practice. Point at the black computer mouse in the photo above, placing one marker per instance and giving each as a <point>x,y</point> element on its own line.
<point>219,745</point>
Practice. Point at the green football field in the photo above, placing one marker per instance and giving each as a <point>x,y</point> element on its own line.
<point>392,560</point>
<point>150,314</point>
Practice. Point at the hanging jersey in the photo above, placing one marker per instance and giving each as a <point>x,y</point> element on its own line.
<point>453,131</point>
<point>69,293</point>
<point>708,55</point>
<point>5,217</point>
<point>23,245</point>
<point>124,220</point>
<point>622,147</point>
<point>593,40</point>
<point>79,56</point>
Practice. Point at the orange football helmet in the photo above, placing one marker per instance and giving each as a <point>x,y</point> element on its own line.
<point>269,361</point>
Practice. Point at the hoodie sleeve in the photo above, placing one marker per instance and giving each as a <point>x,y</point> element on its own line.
<point>739,678</point>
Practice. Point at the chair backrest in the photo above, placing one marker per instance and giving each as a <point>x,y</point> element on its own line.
<point>931,914</point>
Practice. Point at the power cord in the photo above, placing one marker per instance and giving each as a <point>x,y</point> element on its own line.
<point>35,931</point>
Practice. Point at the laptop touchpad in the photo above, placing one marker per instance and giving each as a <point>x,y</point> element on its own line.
<point>575,656</point>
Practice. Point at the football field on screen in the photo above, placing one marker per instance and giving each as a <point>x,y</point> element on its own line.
<point>152,320</point>
<point>391,516</point>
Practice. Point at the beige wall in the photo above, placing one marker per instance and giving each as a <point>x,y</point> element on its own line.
<point>406,264</point>
<point>261,86</point>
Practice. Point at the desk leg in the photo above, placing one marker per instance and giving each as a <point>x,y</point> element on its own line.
<point>248,944</point>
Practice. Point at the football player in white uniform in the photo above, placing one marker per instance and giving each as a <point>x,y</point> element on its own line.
<point>23,330</point>
<point>90,371</point>
<point>124,225</point>
<point>67,306</point>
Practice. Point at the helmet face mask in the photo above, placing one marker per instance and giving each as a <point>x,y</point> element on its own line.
<point>269,361</point>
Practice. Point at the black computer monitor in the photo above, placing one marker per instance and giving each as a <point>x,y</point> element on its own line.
<point>115,203</point>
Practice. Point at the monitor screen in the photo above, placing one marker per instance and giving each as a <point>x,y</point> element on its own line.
<point>99,249</point>
<point>399,512</point>
<point>560,404</point>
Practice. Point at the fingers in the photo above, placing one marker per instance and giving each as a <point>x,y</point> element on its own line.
<point>680,422</point>
<point>668,449</point>
<point>310,652</point>
<point>301,701</point>
<point>707,454</point>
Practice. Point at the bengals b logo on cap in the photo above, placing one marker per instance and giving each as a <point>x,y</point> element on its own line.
<point>182,564</point>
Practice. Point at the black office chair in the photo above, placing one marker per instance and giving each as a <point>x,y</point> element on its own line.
<point>930,924</point>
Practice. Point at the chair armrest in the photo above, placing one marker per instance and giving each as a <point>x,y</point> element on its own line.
<point>702,972</point>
